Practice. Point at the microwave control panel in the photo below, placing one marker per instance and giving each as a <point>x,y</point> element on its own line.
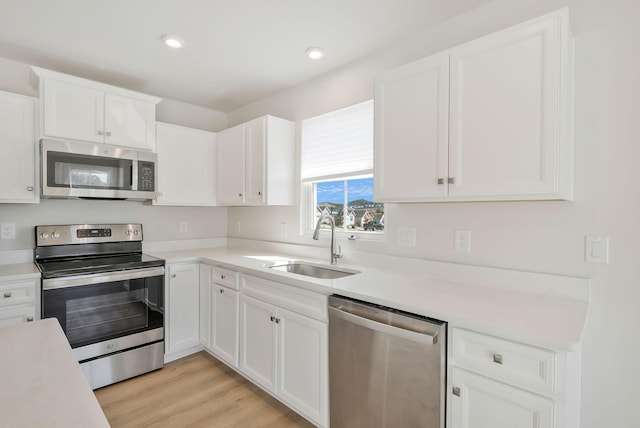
<point>146,180</point>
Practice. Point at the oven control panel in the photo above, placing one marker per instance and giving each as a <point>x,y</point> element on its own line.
<point>87,234</point>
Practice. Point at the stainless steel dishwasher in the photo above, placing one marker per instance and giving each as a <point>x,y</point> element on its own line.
<point>387,368</point>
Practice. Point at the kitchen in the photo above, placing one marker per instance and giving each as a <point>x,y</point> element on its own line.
<point>530,236</point>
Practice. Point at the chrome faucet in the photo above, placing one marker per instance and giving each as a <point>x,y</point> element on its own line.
<point>316,234</point>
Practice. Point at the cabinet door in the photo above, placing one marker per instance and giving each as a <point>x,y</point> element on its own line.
<point>129,122</point>
<point>73,112</point>
<point>231,166</point>
<point>486,403</point>
<point>186,159</point>
<point>411,131</point>
<point>504,113</point>
<point>257,342</point>
<point>17,148</point>
<point>302,364</point>
<point>224,324</point>
<point>184,315</point>
<point>205,305</point>
<point>255,139</point>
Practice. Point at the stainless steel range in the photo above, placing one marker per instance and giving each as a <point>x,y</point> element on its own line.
<point>107,295</point>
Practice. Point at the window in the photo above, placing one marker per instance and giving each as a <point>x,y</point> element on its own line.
<point>337,170</point>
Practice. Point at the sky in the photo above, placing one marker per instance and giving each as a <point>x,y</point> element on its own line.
<point>332,191</point>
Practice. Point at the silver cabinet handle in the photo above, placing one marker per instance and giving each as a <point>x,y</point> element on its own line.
<point>240,194</point>
<point>108,133</point>
<point>259,193</point>
<point>222,277</point>
<point>29,318</point>
<point>497,358</point>
<point>221,290</point>
<point>100,132</point>
<point>456,391</point>
<point>277,320</point>
<point>173,275</point>
<point>272,318</point>
<point>440,180</point>
<point>29,188</point>
<point>7,294</point>
<point>452,180</point>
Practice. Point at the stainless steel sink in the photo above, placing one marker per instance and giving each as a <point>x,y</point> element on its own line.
<point>315,271</point>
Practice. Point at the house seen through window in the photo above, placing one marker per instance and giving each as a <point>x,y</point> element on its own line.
<point>337,170</point>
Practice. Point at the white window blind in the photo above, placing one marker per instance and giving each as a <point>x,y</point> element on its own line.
<point>338,144</point>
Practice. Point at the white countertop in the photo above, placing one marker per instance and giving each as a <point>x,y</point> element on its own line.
<point>16,271</point>
<point>540,319</point>
<point>41,383</point>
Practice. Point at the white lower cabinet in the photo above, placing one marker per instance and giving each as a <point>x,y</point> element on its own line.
<point>498,383</point>
<point>224,316</point>
<point>283,350</point>
<point>182,320</point>
<point>480,402</point>
<point>205,306</point>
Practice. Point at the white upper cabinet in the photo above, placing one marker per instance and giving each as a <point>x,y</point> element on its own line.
<point>256,164</point>
<point>186,162</point>
<point>487,120</point>
<point>231,166</point>
<point>79,109</point>
<point>411,139</point>
<point>17,148</point>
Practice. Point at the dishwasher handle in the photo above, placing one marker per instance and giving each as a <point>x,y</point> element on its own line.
<point>425,338</point>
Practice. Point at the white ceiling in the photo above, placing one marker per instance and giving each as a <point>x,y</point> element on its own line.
<point>236,51</point>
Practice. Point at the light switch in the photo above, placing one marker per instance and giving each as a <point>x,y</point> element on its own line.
<point>596,249</point>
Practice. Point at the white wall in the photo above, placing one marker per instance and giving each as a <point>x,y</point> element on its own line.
<point>536,236</point>
<point>159,223</point>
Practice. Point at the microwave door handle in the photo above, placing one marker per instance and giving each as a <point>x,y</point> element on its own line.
<point>134,175</point>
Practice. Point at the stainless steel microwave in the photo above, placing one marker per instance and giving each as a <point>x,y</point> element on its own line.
<point>98,171</point>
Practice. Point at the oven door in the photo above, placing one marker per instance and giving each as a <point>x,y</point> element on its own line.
<point>101,307</point>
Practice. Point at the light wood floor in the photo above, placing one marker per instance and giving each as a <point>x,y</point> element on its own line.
<point>196,391</point>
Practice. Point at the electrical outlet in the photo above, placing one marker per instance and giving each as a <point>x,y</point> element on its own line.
<point>8,231</point>
<point>184,227</point>
<point>283,230</point>
<point>462,241</point>
<point>407,236</point>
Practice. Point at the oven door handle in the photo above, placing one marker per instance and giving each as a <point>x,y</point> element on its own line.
<point>99,278</point>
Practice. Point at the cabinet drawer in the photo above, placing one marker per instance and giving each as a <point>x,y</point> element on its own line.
<point>13,316</point>
<point>519,364</point>
<point>302,301</point>
<point>225,277</point>
<point>17,293</point>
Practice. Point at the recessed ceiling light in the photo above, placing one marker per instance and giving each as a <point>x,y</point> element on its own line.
<point>314,53</point>
<point>173,41</point>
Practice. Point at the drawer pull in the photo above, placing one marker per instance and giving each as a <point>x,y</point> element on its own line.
<point>7,294</point>
<point>277,320</point>
<point>456,391</point>
<point>222,276</point>
<point>497,358</point>
<point>29,318</point>
<point>273,318</point>
<point>221,290</point>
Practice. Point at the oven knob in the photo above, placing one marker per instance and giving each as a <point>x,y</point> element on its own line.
<point>136,232</point>
<point>55,235</point>
<point>44,235</point>
<point>128,232</point>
